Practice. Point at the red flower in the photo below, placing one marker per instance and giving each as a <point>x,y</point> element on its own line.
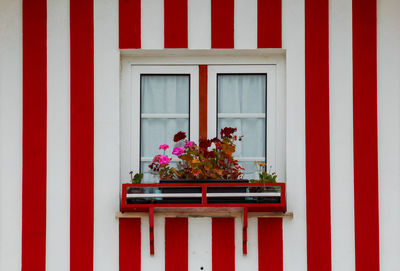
<point>179,136</point>
<point>204,144</point>
<point>227,132</point>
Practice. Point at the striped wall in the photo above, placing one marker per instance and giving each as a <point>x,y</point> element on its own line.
<point>60,134</point>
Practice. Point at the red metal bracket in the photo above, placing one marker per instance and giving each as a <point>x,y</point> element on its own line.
<point>151,229</point>
<point>245,224</point>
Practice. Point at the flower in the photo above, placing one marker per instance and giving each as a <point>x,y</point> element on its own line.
<point>163,147</point>
<point>163,159</point>
<point>178,151</point>
<point>179,136</point>
<point>189,144</point>
<point>227,132</point>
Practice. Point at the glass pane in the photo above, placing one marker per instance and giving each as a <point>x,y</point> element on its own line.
<point>241,93</point>
<point>160,131</point>
<point>162,94</point>
<point>168,94</point>
<point>253,132</point>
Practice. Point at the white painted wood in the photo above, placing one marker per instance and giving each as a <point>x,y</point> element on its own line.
<point>58,136</point>
<point>341,135</point>
<point>10,134</point>
<point>245,24</point>
<point>199,24</point>
<point>200,235</point>
<point>106,135</point>
<point>275,130</point>
<point>294,230</point>
<point>152,24</point>
<point>156,261</point>
<point>247,262</point>
<point>241,115</point>
<point>389,133</point>
<point>165,116</point>
<point>198,195</point>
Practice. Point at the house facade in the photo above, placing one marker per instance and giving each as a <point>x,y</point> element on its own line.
<point>90,88</point>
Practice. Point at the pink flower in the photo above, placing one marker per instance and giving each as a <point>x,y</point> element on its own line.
<point>163,147</point>
<point>189,144</point>
<point>163,159</point>
<point>155,159</point>
<point>178,151</point>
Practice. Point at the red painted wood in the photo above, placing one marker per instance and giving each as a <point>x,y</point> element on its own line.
<point>252,207</point>
<point>151,230</point>
<point>203,77</point>
<point>129,24</point>
<point>222,23</point>
<point>223,244</point>
<point>269,24</point>
<point>317,135</point>
<point>82,133</point>
<point>366,209</point>
<point>176,244</point>
<point>129,244</point>
<point>175,24</point>
<point>270,244</point>
<point>34,135</point>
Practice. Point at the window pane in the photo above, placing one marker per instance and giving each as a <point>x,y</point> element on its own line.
<point>160,131</point>
<point>162,95</point>
<point>253,131</point>
<point>244,94</point>
<point>241,93</point>
<point>165,94</point>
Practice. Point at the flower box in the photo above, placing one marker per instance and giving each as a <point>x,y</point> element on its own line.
<point>220,189</point>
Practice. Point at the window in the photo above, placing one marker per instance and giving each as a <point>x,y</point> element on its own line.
<point>244,97</point>
<point>159,100</point>
<point>165,98</point>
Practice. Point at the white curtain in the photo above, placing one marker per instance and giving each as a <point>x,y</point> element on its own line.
<point>244,94</point>
<point>162,94</point>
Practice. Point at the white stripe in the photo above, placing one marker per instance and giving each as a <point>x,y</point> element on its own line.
<point>247,262</point>
<point>199,243</point>
<point>245,24</point>
<point>389,132</point>
<point>106,135</point>
<point>10,134</point>
<point>294,230</point>
<point>156,261</point>
<point>341,135</point>
<point>152,24</point>
<point>58,139</point>
<point>199,24</point>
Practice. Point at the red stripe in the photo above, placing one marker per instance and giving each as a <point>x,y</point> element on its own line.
<point>176,244</point>
<point>366,211</point>
<point>34,135</point>
<point>129,244</point>
<point>175,24</point>
<point>269,24</point>
<point>82,110</point>
<point>203,76</point>
<point>223,244</point>
<point>129,24</point>
<point>222,23</point>
<point>317,135</point>
<point>270,244</point>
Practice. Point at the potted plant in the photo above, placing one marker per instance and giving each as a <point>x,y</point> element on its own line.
<point>265,177</point>
<point>210,161</point>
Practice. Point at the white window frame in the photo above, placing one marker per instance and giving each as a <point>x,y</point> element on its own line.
<point>135,133</point>
<point>271,106</point>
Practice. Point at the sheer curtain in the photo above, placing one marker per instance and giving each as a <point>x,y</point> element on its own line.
<point>242,105</point>
<point>165,111</point>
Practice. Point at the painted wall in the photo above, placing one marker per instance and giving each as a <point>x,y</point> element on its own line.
<point>342,133</point>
